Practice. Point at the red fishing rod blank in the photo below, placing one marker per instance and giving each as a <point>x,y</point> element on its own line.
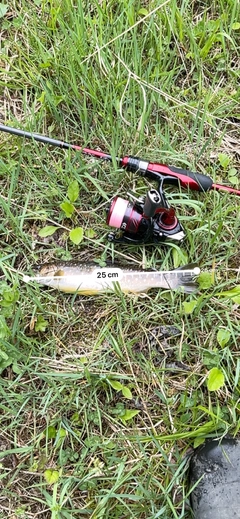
<point>187,179</point>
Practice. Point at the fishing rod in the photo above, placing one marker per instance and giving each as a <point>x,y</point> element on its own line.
<point>151,170</point>
<point>148,219</point>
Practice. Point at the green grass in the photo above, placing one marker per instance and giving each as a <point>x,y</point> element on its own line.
<point>129,77</point>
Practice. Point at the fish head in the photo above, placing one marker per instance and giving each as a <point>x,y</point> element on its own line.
<point>50,270</point>
<point>45,274</point>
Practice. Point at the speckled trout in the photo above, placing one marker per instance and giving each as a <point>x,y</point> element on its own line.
<point>89,279</point>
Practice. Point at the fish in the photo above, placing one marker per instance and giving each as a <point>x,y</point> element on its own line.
<point>90,279</point>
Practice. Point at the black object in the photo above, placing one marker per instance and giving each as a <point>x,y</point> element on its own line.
<point>216,468</point>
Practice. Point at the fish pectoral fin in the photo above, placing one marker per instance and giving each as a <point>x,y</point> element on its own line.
<point>78,291</point>
<point>59,273</point>
<point>88,292</point>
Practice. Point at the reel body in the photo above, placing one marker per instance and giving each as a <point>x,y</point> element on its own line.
<point>149,219</point>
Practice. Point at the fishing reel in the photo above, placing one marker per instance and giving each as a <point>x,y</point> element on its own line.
<point>148,219</point>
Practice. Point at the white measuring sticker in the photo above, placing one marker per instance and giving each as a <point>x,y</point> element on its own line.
<point>108,274</point>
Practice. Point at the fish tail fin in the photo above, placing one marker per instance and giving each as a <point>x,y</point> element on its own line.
<point>186,277</point>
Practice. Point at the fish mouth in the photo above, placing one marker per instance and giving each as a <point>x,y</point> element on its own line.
<point>36,268</point>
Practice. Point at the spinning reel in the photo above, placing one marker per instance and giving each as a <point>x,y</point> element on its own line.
<point>148,219</point>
